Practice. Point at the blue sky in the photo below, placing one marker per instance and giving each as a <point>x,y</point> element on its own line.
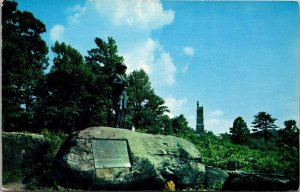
<point>235,58</point>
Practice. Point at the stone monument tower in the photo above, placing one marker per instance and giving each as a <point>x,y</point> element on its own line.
<point>200,119</point>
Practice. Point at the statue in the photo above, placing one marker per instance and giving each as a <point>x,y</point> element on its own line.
<point>120,97</point>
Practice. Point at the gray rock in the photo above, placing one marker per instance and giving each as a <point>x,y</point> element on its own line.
<point>215,178</point>
<point>239,180</point>
<point>22,151</point>
<point>155,160</point>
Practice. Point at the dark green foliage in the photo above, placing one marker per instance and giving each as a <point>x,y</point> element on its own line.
<point>218,151</point>
<point>103,61</point>
<point>67,107</point>
<point>290,134</point>
<point>264,126</point>
<point>166,125</point>
<point>54,140</point>
<point>79,92</point>
<point>37,171</point>
<point>146,109</point>
<point>9,176</point>
<point>42,176</point>
<point>23,61</point>
<point>180,125</point>
<point>240,134</point>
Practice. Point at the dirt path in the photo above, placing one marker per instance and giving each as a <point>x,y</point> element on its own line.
<point>15,186</point>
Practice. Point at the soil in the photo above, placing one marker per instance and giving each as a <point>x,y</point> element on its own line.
<point>14,186</point>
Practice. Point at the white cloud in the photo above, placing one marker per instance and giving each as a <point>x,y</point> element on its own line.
<point>76,12</point>
<point>216,122</point>
<point>165,69</point>
<point>139,14</point>
<point>150,56</point>
<point>56,32</point>
<point>129,23</point>
<point>141,56</point>
<point>185,68</point>
<point>175,105</point>
<point>188,51</point>
<point>217,125</point>
<point>216,112</point>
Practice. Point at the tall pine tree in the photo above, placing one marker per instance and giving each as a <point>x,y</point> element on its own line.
<point>103,60</point>
<point>290,134</point>
<point>23,63</point>
<point>68,106</point>
<point>263,125</point>
<point>180,125</point>
<point>240,133</point>
<point>146,108</point>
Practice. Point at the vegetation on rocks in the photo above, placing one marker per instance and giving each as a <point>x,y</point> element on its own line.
<point>272,157</point>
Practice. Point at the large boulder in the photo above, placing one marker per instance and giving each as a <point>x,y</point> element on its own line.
<point>96,158</point>
<point>22,151</point>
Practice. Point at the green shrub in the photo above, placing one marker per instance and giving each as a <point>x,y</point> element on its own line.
<point>55,140</point>
<point>9,176</point>
<point>263,158</point>
<point>44,174</point>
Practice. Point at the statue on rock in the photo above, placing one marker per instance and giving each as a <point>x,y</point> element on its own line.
<point>120,97</point>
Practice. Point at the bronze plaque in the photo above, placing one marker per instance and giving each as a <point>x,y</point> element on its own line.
<point>110,153</point>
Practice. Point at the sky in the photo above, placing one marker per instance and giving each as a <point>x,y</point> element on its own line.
<point>235,58</point>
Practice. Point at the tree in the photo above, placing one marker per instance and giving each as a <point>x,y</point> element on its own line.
<point>166,125</point>
<point>68,106</point>
<point>263,122</point>
<point>103,61</point>
<point>146,108</point>
<point>23,63</point>
<point>290,134</point>
<point>240,133</point>
<point>180,125</point>
<point>291,126</point>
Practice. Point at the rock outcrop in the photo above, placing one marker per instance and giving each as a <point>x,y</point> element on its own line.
<point>214,178</point>
<point>242,181</point>
<point>153,161</point>
<point>22,151</point>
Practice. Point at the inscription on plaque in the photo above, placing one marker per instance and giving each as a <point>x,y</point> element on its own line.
<point>110,153</point>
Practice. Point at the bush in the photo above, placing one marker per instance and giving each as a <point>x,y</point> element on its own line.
<point>262,158</point>
<point>44,175</point>
<point>55,140</point>
<point>9,176</point>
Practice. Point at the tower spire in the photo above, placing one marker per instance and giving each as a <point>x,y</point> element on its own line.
<point>200,119</point>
